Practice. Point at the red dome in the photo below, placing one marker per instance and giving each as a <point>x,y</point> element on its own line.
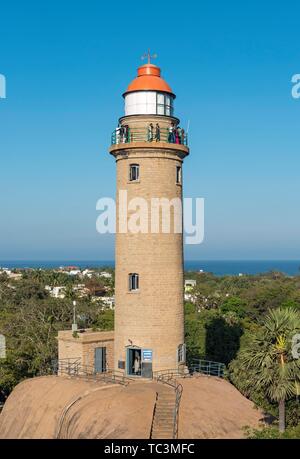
<point>148,79</point>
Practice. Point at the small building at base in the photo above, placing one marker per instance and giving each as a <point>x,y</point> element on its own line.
<point>92,349</point>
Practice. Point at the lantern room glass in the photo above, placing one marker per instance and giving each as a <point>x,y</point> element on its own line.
<point>148,103</point>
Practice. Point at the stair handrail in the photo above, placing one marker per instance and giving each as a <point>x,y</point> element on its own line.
<point>153,415</point>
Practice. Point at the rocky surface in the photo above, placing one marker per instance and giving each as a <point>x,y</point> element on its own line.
<point>61,407</point>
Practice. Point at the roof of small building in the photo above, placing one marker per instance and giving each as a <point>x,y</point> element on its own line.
<point>86,335</point>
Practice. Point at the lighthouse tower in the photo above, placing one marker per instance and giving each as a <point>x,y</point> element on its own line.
<point>149,150</point>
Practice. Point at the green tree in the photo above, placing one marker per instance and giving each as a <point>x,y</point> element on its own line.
<point>233,305</point>
<point>268,362</point>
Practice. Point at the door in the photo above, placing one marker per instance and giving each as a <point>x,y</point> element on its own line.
<point>133,361</point>
<point>100,359</point>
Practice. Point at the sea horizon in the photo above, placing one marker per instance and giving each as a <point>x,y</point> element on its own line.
<point>217,267</point>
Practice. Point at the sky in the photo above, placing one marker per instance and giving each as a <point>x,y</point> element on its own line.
<point>230,63</point>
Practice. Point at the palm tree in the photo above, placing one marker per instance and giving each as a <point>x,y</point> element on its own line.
<point>55,278</point>
<point>38,275</point>
<point>70,294</point>
<point>268,359</point>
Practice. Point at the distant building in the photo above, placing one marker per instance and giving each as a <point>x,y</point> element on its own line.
<point>81,290</point>
<point>71,270</point>
<point>56,292</point>
<point>190,297</point>
<point>10,274</point>
<point>87,273</point>
<point>60,291</point>
<point>74,272</point>
<point>105,274</point>
<point>189,284</point>
<point>108,301</point>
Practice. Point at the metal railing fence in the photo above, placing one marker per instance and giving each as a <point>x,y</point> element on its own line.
<point>74,367</point>
<point>144,135</point>
<point>207,367</point>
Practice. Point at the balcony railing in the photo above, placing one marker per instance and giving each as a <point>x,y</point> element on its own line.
<point>131,135</point>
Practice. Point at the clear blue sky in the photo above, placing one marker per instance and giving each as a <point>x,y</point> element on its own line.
<point>230,64</point>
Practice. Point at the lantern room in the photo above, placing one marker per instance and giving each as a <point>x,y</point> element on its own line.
<point>149,94</point>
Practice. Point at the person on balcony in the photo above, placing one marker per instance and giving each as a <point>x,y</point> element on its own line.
<point>157,133</point>
<point>171,137</point>
<point>126,134</point>
<point>122,134</point>
<point>182,136</point>
<point>118,134</point>
<point>150,132</point>
<point>178,135</point>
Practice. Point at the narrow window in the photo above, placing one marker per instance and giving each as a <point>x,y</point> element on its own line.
<point>168,106</point>
<point>178,174</point>
<point>160,103</point>
<point>133,281</point>
<point>181,353</point>
<point>164,104</point>
<point>134,172</point>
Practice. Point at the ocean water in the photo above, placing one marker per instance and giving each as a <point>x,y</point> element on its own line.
<point>217,267</point>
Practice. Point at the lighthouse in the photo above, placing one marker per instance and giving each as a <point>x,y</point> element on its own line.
<point>149,147</point>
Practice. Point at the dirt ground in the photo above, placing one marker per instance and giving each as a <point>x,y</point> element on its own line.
<point>60,407</point>
<point>213,408</point>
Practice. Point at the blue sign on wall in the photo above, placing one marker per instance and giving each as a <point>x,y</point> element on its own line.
<point>147,355</point>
